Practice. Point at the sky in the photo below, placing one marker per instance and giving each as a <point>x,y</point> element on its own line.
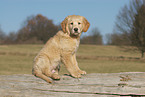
<point>100,13</point>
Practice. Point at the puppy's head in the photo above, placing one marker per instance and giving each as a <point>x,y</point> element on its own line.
<point>74,25</point>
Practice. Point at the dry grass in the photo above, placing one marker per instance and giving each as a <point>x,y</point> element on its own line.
<point>18,59</point>
<point>92,50</point>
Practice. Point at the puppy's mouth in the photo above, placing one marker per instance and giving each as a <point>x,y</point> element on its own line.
<point>75,34</point>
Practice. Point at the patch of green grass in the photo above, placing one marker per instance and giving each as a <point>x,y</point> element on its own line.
<point>111,66</point>
<point>20,48</point>
<point>99,50</point>
<point>12,62</point>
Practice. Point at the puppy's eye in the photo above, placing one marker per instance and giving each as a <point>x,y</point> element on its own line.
<point>71,23</point>
<point>79,23</point>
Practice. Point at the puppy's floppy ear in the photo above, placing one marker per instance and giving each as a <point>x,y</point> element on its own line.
<point>64,25</point>
<point>86,25</point>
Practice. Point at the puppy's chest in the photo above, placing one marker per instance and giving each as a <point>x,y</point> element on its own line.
<point>70,45</point>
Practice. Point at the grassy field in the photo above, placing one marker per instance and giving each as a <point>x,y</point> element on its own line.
<point>18,59</point>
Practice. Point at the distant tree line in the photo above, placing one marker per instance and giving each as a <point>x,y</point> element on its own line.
<point>36,29</point>
<point>94,37</point>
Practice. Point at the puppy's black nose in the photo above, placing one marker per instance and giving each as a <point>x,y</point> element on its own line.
<point>75,29</point>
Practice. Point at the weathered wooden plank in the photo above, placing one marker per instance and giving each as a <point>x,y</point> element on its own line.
<point>106,84</point>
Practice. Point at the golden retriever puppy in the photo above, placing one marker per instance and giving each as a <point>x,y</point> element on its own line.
<point>61,48</point>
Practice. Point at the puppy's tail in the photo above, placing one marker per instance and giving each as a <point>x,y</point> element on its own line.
<point>42,76</point>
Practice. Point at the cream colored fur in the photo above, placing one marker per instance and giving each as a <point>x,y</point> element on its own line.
<point>61,48</point>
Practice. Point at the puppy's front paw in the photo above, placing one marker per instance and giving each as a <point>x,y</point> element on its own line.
<point>82,72</point>
<point>77,75</point>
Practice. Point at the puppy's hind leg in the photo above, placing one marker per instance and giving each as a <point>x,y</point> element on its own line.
<point>41,68</point>
<point>42,76</point>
